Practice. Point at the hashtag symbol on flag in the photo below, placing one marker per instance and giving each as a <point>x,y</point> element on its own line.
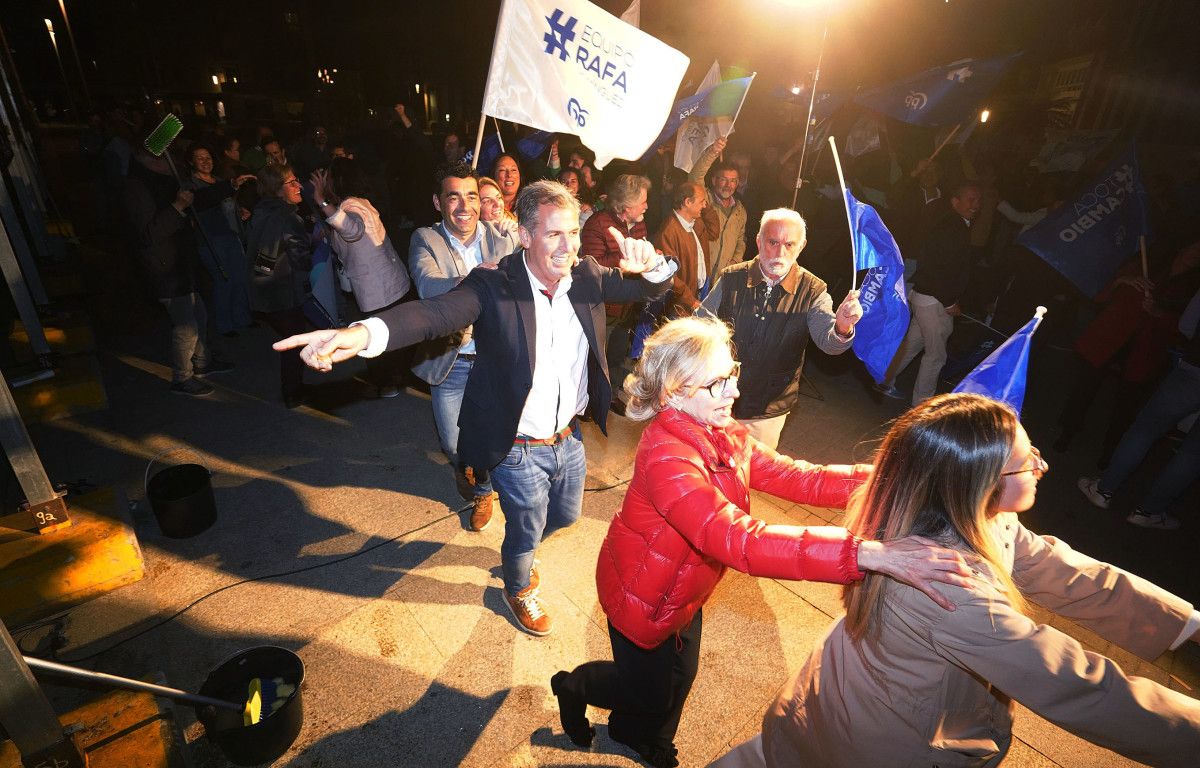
<point>560,34</point>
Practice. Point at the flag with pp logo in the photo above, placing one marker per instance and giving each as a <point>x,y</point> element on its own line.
<point>940,96</point>
<point>570,67</point>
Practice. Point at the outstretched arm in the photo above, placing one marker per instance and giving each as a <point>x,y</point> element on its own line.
<point>321,349</point>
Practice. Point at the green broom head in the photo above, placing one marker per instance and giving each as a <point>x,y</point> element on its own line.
<point>162,136</point>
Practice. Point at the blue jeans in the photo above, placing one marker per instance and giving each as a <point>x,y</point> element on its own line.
<point>447,402</point>
<point>1176,397</point>
<point>541,491</point>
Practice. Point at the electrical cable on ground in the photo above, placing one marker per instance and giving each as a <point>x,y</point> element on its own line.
<point>57,618</point>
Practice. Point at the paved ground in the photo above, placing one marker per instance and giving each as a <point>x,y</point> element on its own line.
<point>412,659</point>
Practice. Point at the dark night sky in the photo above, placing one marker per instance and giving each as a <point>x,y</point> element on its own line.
<point>172,46</point>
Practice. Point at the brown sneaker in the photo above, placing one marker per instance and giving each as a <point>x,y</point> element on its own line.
<point>481,512</point>
<point>527,609</point>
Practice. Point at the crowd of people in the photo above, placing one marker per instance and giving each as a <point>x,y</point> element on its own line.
<point>541,294</point>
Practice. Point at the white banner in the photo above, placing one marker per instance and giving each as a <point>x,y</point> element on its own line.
<point>697,134</point>
<point>570,67</point>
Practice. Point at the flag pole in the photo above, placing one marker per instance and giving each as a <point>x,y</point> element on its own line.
<point>478,141</point>
<point>500,29</point>
<point>812,100</point>
<point>837,162</point>
<point>499,138</point>
<point>945,141</point>
<point>740,103</point>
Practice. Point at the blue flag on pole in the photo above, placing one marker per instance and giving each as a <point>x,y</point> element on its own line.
<point>1001,376</point>
<point>885,306</point>
<point>722,100</point>
<point>532,146</point>
<point>1090,237</point>
<point>940,96</point>
<point>489,150</point>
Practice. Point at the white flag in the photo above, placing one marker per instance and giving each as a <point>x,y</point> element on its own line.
<point>633,14</point>
<point>696,133</point>
<point>568,66</point>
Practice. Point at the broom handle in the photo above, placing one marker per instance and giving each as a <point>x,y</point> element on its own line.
<point>54,668</point>
<point>196,219</point>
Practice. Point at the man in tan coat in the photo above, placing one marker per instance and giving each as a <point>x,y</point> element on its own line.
<point>725,216</point>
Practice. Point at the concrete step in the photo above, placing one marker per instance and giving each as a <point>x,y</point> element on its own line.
<point>122,729</point>
<point>75,388</point>
<point>41,575</point>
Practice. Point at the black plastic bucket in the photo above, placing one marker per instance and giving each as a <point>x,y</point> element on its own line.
<point>269,738</point>
<point>182,499</point>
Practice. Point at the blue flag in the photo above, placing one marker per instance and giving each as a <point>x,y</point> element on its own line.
<point>826,103</point>
<point>722,100</point>
<point>1001,376</point>
<point>940,96</point>
<point>532,146</point>
<point>1090,237</point>
<point>885,306</point>
<point>489,151</point>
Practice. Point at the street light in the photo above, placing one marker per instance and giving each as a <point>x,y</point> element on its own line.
<point>62,6</point>
<point>62,70</point>
<point>826,7</point>
<point>812,101</point>
<point>984,115</point>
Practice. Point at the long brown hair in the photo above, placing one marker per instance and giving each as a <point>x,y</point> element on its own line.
<point>937,474</point>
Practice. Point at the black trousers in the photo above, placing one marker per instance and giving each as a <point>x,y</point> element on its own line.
<point>289,322</point>
<point>644,689</point>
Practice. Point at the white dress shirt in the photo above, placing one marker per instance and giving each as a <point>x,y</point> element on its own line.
<point>559,389</point>
<point>701,269</point>
<point>472,256</point>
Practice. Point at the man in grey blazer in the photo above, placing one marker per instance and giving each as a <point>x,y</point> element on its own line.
<point>439,257</point>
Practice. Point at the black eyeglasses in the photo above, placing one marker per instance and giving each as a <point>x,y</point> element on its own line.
<point>719,387</point>
<point>290,182</point>
<point>1038,467</point>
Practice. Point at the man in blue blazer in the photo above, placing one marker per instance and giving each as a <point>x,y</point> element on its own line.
<point>539,328</point>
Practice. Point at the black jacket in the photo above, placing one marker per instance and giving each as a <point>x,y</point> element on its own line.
<point>944,264</point>
<point>275,222</point>
<point>499,305</point>
<point>160,235</point>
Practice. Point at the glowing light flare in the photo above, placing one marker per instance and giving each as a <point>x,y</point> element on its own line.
<point>801,5</point>
<point>984,115</point>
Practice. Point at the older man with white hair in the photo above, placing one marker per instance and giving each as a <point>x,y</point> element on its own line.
<point>775,306</point>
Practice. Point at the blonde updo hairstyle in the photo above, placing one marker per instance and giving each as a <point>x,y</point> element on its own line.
<point>674,355</point>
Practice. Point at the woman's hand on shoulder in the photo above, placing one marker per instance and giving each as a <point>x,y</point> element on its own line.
<point>917,562</point>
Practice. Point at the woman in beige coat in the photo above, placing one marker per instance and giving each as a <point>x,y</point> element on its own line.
<point>901,682</point>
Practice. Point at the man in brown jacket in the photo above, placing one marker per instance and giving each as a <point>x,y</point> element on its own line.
<point>684,237</point>
<point>725,217</point>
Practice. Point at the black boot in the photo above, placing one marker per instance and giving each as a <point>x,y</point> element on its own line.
<point>654,756</point>
<point>572,711</point>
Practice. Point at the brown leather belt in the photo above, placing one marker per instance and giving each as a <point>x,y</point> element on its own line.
<point>557,438</point>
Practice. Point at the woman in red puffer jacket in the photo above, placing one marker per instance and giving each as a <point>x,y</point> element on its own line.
<point>686,518</point>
